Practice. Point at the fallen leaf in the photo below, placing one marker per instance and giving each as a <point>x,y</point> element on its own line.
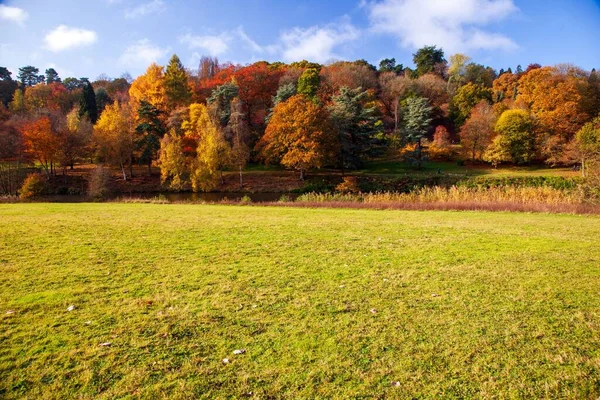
<point>395,383</point>
<point>10,312</point>
<point>105,344</point>
<point>373,311</point>
<point>70,308</point>
<point>87,322</point>
<point>239,351</point>
<point>435,295</point>
<point>226,361</point>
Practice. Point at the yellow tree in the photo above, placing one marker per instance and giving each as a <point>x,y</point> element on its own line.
<point>554,100</point>
<point>150,87</point>
<point>172,161</point>
<point>212,151</point>
<point>298,135</point>
<point>114,135</point>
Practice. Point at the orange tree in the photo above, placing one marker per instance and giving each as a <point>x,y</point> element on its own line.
<point>298,135</point>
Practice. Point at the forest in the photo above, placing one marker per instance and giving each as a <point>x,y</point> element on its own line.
<point>302,116</point>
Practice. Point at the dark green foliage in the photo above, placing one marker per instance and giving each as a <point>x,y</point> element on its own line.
<point>73,83</point>
<point>221,98</point>
<point>102,99</point>
<point>416,121</point>
<point>308,83</point>
<point>366,64</point>
<point>283,93</point>
<point>29,76</point>
<point>7,86</point>
<point>554,182</point>
<point>52,76</point>
<point>480,75</point>
<point>427,58</point>
<point>87,102</point>
<point>389,65</point>
<point>150,130</point>
<point>359,130</point>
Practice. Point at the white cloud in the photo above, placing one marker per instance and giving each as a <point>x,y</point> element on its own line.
<point>213,45</point>
<point>13,14</point>
<point>142,53</point>
<point>316,43</point>
<point>454,25</point>
<point>65,37</point>
<point>155,6</point>
<point>246,39</point>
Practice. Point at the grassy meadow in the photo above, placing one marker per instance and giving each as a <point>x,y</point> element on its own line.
<point>325,303</point>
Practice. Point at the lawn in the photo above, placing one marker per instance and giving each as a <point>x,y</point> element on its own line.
<point>326,303</point>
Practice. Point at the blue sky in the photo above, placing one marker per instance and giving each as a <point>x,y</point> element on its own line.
<point>86,38</point>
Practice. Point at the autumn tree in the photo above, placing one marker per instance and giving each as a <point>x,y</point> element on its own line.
<point>588,145</point>
<point>394,89</point>
<point>308,83</point>
<point>458,69</point>
<point>478,131</point>
<point>150,130</point>
<point>212,150</point>
<point>515,140</point>
<point>257,84</point>
<point>238,132</point>
<point>416,121</point>
<point>359,130</point>
<point>352,75</point>
<point>554,99</point>
<point>505,87</point>
<point>467,97</point>
<point>172,161</point>
<point>440,147</point>
<point>150,87</point>
<point>114,135</point>
<point>76,135</point>
<point>42,142</point>
<point>176,84</point>
<point>298,135</point>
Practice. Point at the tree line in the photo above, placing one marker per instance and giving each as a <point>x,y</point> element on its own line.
<point>303,115</point>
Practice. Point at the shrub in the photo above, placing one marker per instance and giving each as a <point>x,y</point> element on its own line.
<point>98,184</point>
<point>349,185</point>
<point>33,187</point>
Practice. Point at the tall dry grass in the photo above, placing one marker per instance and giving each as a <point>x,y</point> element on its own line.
<point>505,198</point>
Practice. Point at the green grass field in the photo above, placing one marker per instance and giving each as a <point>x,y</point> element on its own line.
<point>326,303</point>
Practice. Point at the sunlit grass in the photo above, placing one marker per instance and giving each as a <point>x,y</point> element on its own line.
<point>327,303</point>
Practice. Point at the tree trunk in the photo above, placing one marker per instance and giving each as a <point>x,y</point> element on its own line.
<point>301,174</point>
<point>583,167</point>
<point>241,178</point>
<point>130,165</point>
<point>221,176</point>
<point>150,167</point>
<point>123,169</point>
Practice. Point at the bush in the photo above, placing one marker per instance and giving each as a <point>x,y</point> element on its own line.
<point>33,187</point>
<point>98,184</point>
<point>349,185</point>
